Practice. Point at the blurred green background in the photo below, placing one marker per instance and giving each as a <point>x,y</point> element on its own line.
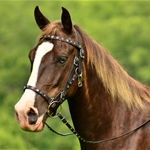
<point>122,27</point>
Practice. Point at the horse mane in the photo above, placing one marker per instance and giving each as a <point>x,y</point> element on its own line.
<point>115,80</point>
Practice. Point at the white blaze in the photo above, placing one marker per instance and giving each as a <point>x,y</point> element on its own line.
<point>28,97</point>
<point>41,51</point>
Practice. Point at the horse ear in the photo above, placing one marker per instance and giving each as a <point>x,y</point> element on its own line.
<point>41,20</point>
<point>66,20</point>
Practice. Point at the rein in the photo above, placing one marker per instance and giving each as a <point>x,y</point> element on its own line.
<point>63,119</point>
<point>75,74</point>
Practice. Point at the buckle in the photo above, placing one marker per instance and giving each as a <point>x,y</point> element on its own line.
<point>80,78</point>
<point>52,105</point>
<point>76,61</point>
<point>82,53</point>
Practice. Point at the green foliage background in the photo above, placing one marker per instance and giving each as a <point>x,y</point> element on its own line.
<point>122,27</point>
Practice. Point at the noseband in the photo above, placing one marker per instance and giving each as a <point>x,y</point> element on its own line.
<point>74,74</point>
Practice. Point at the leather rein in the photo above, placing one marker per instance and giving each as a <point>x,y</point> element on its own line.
<point>75,74</point>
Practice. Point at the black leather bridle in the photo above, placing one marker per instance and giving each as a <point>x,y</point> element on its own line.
<point>75,74</point>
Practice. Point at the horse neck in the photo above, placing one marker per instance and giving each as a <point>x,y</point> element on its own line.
<point>96,116</point>
<point>91,107</point>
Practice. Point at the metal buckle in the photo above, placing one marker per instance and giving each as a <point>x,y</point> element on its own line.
<point>76,61</point>
<point>82,53</point>
<point>53,104</point>
<point>62,95</point>
<point>80,78</point>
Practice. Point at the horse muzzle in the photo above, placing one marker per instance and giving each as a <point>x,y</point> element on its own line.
<point>29,120</point>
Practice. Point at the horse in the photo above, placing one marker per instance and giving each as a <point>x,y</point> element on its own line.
<point>109,109</point>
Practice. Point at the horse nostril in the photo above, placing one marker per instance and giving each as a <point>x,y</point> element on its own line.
<point>16,113</point>
<point>16,116</point>
<point>32,116</point>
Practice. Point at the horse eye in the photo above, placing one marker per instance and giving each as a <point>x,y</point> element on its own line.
<point>62,60</point>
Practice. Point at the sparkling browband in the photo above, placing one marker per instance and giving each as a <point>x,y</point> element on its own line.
<point>66,41</point>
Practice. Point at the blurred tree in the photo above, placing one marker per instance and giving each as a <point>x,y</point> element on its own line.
<point>120,26</point>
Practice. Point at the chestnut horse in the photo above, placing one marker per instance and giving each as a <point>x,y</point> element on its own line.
<point>104,101</point>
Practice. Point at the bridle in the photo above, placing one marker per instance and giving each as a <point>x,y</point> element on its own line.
<point>74,74</point>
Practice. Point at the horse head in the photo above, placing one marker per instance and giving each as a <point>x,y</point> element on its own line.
<point>55,66</point>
